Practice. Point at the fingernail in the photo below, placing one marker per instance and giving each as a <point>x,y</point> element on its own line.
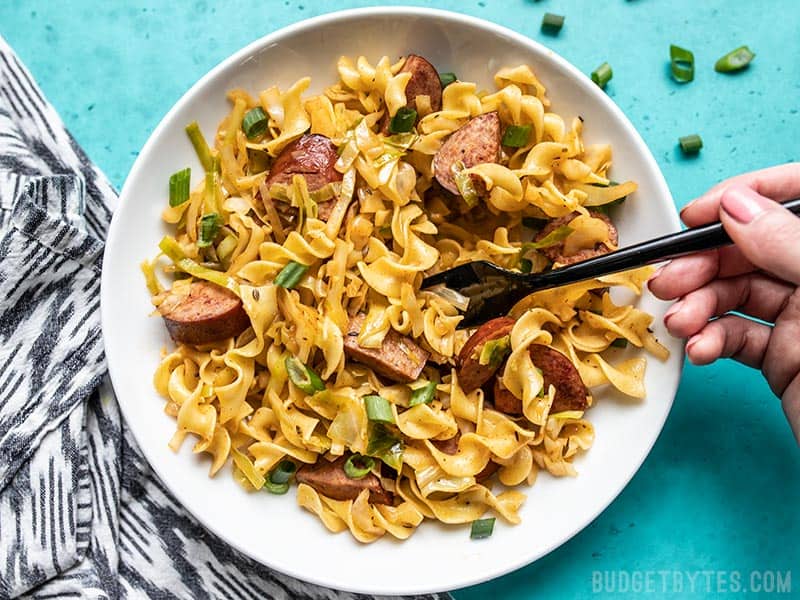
<point>742,204</point>
<point>686,207</point>
<point>672,310</point>
<point>690,344</point>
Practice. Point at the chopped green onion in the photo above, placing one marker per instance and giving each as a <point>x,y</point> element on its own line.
<point>378,409</point>
<point>283,472</point>
<point>291,275</point>
<point>403,120</point>
<point>556,236</point>
<point>423,395</point>
<point>551,23</point>
<point>172,249</point>
<point>482,528</point>
<point>255,123</point>
<point>516,136</point>
<point>735,60</point>
<point>602,75</point>
<point>447,79</point>
<point>226,248</point>
<point>358,467</point>
<point>464,184</point>
<point>179,187</point>
<point>525,265</point>
<point>691,144</point>
<point>303,377</point>
<point>200,145</point>
<point>209,228</point>
<point>682,61</point>
<point>620,343</point>
<point>275,488</point>
<point>386,444</point>
<point>494,351</point>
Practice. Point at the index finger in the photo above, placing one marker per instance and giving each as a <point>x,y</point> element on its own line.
<point>779,183</point>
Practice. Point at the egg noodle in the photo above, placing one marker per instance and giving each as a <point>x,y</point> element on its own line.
<point>383,235</point>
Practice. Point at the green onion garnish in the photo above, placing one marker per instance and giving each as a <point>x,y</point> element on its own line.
<point>602,75</point>
<point>525,265</point>
<point>378,409</point>
<point>691,144</point>
<point>291,274</point>
<point>682,64</point>
<point>209,228</point>
<point>283,472</point>
<point>735,60</point>
<point>464,184</point>
<point>303,377</point>
<point>620,343</point>
<point>200,145</point>
<point>358,467</point>
<point>516,136</point>
<point>275,488</point>
<point>482,528</point>
<point>551,23</point>
<point>494,352</point>
<point>447,79</point>
<point>423,395</point>
<point>385,443</point>
<point>255,122</point>
<point>403,120</point>
<point>179,187</point>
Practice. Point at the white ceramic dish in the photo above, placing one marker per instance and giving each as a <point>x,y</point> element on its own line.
<point>272,529</point>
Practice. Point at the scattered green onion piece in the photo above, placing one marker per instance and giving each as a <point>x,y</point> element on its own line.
<point>620,343</point>
<point>386,444</point>
<point>403,120</point>
<point>691,144</point>
<point>303,377</point>
<point>172,249</point>
<point>482,528</point>
<point>209,228</point>
<point>255,123</point>
<point>283,472</point>
<point>447,79</point>
<point>179,187</point>
<point>464,184</point>
<point>516,136</point>
<point>682,62</point>
<point>551,23</point>
<point>358,467</point>
<point>378,409</point>
<point>494,351</point>
<point>200,145</point>
<point>735,60</point>
<point>602,75</point>
<point>556,236</point>
<point>423,395</point>
<point>525,265</point>
<point>275,488</point>
<point>291,275</point>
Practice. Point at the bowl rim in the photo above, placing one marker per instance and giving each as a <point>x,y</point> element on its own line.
<point>310,24</point>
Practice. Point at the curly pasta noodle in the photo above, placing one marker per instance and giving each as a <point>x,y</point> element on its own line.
<point>384,233</point>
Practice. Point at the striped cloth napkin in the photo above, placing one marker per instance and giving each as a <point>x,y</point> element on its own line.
<point>81,513</point>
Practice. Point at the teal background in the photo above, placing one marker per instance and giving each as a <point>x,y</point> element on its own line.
<point>721,489</point>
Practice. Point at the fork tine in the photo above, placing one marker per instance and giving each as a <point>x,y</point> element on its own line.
<point>455,278</point>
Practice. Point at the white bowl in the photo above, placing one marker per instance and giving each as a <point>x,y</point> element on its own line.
<point>273,529</point>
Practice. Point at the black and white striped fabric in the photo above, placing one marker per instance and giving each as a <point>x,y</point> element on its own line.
<point>81,513</point>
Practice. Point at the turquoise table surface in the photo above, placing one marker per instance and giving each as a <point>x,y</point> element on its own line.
<point>720,492</point>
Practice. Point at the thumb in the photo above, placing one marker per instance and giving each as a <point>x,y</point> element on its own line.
<point>764,231</point>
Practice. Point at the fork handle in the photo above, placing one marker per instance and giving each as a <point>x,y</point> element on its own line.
<point>673,245</point>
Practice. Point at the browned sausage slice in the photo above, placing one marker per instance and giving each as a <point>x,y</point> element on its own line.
<point>399,358</point>
<point>206,314</point>
<point>557,370</point>
<point>313,156</point>
<point>556,252</point>
<point>424,82</point>
<point>329,479</point>
<point>475,143</point>
<point>471,373</point>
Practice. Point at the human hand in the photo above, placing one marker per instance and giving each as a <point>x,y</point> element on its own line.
<point>758,276</point>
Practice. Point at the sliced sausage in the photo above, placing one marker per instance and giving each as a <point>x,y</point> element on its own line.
<point>399,358</point>
<point>313,156</point>
<point>475,143</point>
<point>424,81</point>
<point>471,373</point>
<point>208,313</point>
<point>558,371</point>
<point>556,252</point>
<point>329,479</point>
<point>450,446</point>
